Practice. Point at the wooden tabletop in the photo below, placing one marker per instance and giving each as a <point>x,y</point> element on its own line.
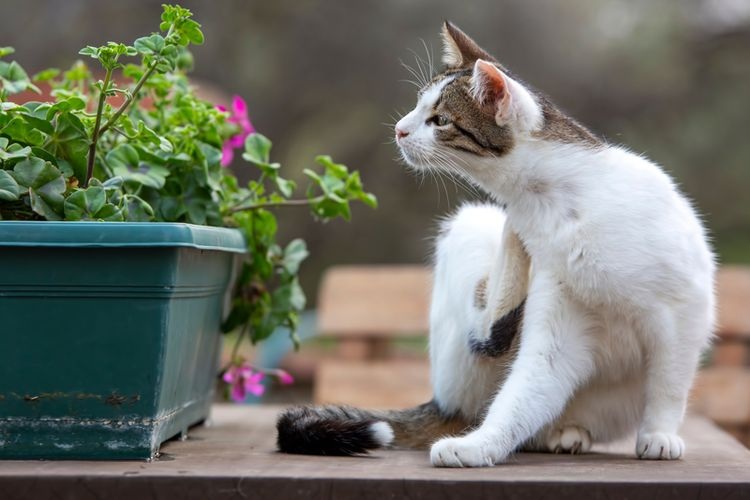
<point>235,458</point>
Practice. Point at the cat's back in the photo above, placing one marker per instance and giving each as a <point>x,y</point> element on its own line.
<point>630,230</point>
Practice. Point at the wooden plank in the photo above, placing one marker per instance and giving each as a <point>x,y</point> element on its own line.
<point>374,301</point>
<point>733,287</point>
<point>723,394</point>
<point>235,459</point>
<point>398,383</point>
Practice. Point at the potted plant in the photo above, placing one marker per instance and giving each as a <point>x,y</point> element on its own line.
<point>126,248</point>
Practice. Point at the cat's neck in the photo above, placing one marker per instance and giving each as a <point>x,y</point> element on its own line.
<point>536,168</point>
<point>542,181</point>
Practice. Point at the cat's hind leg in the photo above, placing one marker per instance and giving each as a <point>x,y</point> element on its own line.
<point>555,359</point>
<point>469,244</point>
<point>674,343</point>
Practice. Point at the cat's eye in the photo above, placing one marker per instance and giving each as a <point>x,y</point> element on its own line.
<point>439,120</point>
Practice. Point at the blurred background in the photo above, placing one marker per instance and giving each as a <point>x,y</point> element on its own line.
<point>670,79</point>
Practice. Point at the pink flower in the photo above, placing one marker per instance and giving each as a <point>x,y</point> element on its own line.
<point>243,379</point>
<point>284,377</point>
<point>238,117</point>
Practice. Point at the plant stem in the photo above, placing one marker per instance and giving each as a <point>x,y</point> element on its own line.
<point>130,98</point>
<point>237,343</point>
<point>287,203</point>
<point>95,134</point>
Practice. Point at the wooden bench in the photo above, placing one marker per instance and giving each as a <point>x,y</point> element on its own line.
<point>722,390</point>
<point>367,308</point>
<point>235,458</point>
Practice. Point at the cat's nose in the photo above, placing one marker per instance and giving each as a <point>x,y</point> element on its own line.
<point>400,133</point>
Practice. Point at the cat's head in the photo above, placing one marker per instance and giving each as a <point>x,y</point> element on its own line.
<point>474,110</point>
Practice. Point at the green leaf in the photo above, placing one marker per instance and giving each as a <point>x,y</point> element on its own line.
<point>110,213</point>
<point>171,208</point>
<point>124,161</point>
<point>40,206</point>
<point>152,45</point>
<point>286,297</point>
<point>72,103</point>
<point>285,186</point>
<point>257,149</point>
<point>70,143</point>
<point>46,186</point>
<point>20,130</point>
<point>89,51</point>
<point>369,199</point>
<point>46,75</point>
<point>9,189</point>
<point>84,204</point>
<point>192,31</point>
<point>14,79</point>
<point>138,210</point>
<point>294,253</point>
<point>44,155</point>
<point>14,151</point>
<point>331,168</point>
<point>328,209</point>
<point>6,51</point>
<point>35,173</point>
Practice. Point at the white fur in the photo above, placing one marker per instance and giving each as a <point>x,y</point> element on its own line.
<point>620,300</point>
<point>382,433</point>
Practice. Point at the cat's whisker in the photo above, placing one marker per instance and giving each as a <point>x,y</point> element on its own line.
<point>413,82</point>
<point>417,75</point>
<point>419,62</point>
<point>430,58</point>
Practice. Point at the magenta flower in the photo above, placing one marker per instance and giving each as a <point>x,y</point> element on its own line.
<point>238,117</point>
<point>284,377</point>
<point>243,379</point>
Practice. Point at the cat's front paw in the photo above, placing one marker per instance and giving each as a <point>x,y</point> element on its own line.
<point>466,451</point>
<point>569,439</point>
<point>659,446</point>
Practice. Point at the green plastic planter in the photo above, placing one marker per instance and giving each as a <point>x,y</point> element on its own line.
<point>109,334</point>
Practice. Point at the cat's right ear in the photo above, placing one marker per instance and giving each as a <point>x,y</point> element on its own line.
<point>509,100</point>
<point>490,87</point>
<point>458,49</point>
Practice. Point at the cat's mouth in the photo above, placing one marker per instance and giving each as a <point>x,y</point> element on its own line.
<point>414,157</point>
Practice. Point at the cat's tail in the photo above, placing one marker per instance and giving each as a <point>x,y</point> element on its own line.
<point>343,430</point>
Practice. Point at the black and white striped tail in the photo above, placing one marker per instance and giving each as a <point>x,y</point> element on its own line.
<point>331,430</point>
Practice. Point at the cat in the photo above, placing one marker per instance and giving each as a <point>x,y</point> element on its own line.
<point>574,314</point>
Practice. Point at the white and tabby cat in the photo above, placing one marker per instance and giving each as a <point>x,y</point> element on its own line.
<point>596,256</point>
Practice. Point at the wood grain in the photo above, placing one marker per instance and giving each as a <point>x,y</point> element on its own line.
<point>235,458</point>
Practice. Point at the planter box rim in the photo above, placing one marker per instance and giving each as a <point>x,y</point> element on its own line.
<point>119,235</point>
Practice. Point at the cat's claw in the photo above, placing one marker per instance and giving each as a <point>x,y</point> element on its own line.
<point>659,446</point>
<point>461,452</point>
<point>569,439</point>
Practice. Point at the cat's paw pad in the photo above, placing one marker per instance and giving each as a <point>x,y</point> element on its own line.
<point>569,439</point>
<point>460,452</point>
<point>659,446</point>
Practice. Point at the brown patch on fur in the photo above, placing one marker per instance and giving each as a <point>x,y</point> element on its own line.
<point>420,427</point>
<point>473,128</point>
<point>559,127</point>
<point>480,294</point>
<point>538,186</point>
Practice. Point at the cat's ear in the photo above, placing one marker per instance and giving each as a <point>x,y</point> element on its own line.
<point>508,99</point>
<point>460,50</point>
<point>490,87</point>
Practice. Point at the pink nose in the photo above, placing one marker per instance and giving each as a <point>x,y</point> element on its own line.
<point>400,134</point>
